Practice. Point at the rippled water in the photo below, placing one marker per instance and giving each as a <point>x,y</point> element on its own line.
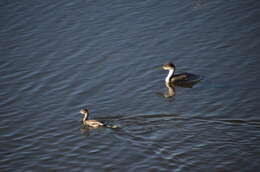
<point>59,57</point>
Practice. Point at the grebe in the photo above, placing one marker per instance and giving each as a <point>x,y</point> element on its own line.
<point>93,123</point>
<point>183,79</point>
<point>90,123</point>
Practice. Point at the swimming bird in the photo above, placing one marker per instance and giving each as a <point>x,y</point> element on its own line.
<point>90,123</point>
<point>93,123</point>
<point>183,79</point>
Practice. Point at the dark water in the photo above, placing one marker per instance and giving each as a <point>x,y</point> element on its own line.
<point>60,56</point>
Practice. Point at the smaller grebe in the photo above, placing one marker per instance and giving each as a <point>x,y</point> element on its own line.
<point>90,123</point>
<point>183,79</point>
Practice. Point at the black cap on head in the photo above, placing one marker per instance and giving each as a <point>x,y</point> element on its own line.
<point>83,111</point>
<point>169,66</point>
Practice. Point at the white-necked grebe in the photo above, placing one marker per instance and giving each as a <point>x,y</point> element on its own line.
<point>90,123</point>
<point>183,79</point>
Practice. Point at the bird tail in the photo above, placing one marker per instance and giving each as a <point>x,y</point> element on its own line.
<point>111,126</point>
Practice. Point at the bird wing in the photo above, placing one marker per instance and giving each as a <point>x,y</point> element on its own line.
<point>181,77</point>
<point>186,80</point>
<point>95,122</point>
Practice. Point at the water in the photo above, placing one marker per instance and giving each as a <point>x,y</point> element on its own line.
<point>59,57</point>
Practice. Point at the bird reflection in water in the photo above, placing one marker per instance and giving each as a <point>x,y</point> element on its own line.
<point>170,92</point>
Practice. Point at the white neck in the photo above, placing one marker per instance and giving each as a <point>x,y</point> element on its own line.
<point>85,117</point>
<point>169,76</point>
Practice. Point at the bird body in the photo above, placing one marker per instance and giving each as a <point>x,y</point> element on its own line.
<point>93,123</point>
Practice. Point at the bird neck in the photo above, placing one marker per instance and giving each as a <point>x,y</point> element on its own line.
<point>85,117</point>
<point>169,76</point>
